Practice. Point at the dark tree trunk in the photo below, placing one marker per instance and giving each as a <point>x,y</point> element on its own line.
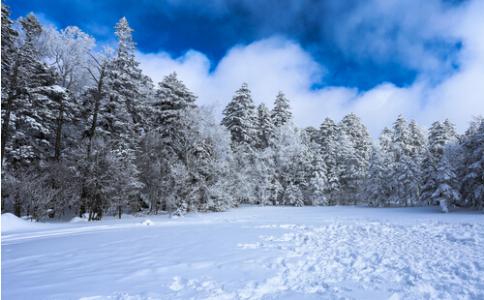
<point>58,133</point>
<point>92,132</point>
<point>17,208</point>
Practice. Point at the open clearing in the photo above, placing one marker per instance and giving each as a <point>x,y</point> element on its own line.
<point>250,253</point>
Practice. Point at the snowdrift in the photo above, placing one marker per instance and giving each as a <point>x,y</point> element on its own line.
<point>10,222</point>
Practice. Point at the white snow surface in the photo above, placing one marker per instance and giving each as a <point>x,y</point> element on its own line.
<point>251,253</point>
<point>11,222</point>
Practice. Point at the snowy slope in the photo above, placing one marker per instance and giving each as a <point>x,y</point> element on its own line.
<point>252,253</point>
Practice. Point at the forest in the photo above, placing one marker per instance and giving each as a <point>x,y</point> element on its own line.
<point>86,133</point>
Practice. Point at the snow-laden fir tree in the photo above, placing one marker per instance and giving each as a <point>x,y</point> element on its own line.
<point>472,169</point>
<point>446,193</point>
<point>348,169</point>
<point>438,136</point>
<point>9,49</point>
<point>172,121</point>
<point>264,127</point>
<point>240,118</point>
<point>281,113</point>
<point>327,139</point>
<point>405,173</point>
<point>358,134</point>
<point>375,189</point>
<point>292,159</point>
<point>263,175</point>
<point>317,185</point>
<point>293,195</point>
<point>128,88</point>
<point>34,107</point>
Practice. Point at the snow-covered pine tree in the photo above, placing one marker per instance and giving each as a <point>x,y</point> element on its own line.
<point>385,140</point>
<point>293,195</point>
<point>264,127</point>
<point>281,113</point>
<point>327,139</point>
<point>292,158</point>
<point>376,188</point>
<point>9,49</point>
<point>405,173</point>
<point>25,70</point>
<point>446,193</point>
<point>418,143</point>
<point>128,88</point>
<point>317,181</point>
<point>263,174</point>
<point>126,184</point>
<point>10,68</point>
<point>360,139</point>
<point>347,167</point>
<point>438,136</point>
<point>38,106</point>
<point>450,132</point>
<point>172,120</point>
<point>240,118</point>
<point>472,174</point>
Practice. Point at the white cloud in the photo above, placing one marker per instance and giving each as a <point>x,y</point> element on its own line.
<point>274,64</point>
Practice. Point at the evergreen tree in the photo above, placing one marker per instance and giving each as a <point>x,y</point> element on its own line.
<point>405,169</point>
<point>128,88</point>
<point>359,137</point>
<point>472,174</point>
<point>317,186</point>
<point>376,188</point>
<point>327,140</point>
<point>9,36</point>
<point>437,139</point>
<point>446,193</point>
<point>239,118</point>
<point>293,195</point>
<point>265,127</point>
<point>281,113</point>
<point>347,169</point>
<point>172,120</point>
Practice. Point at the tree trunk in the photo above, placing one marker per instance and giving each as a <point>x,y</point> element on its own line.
<point>92,131</point>
<point>17,208</point>
<point>58,133</point>
<point>97,102</point>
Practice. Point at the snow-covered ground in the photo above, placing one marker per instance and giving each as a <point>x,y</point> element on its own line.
<point>250,253</point>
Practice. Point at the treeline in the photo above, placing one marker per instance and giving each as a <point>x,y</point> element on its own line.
<point>85,132</point>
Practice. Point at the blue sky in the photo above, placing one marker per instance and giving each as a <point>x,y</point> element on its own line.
<point>331,57</point>
<point>213,27</point>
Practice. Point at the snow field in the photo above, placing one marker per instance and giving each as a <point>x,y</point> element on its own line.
<point>252,253</point>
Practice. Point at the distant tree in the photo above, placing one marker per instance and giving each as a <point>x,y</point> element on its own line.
<point>359,137</point>
<point>446,193</point>
<point>472,169</point>
<point>328,134</point>
<point>264,127</point>
<point>439,135</point>
<point>374,190</point>
<point>317,181</point>
<point>240,118</point>
<point>293,196</point>
<point>281,113</point>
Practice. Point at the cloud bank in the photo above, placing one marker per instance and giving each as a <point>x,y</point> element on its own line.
<point>447,86</point>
